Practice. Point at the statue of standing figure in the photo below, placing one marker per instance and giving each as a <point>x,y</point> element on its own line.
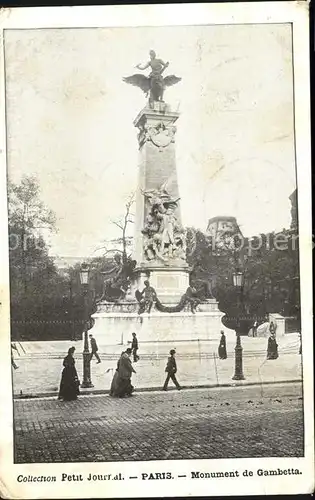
<point>154,84</point>
<point>167,228</point>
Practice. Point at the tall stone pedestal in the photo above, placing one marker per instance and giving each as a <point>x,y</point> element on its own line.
<point>114,324</point>
<point>158,205</point>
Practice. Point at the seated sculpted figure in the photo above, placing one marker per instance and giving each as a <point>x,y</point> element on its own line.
<point>116,286</point>
<point>192,298</point>
<point>146,298</point>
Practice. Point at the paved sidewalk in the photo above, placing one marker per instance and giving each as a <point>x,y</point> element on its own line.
<point>198,365</point>
<point>189,424</point>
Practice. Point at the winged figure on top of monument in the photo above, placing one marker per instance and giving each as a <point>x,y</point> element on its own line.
<point>154,84</point>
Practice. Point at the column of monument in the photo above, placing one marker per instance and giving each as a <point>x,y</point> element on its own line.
<point>160,241</point>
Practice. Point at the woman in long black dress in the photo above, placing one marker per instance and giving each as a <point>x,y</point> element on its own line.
<point>272,348</point>
<point>69,385</point>
<point>222,346</point>
<point>121,384</point>
<point>114,385</point>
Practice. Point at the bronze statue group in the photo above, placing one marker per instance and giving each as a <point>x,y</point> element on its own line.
<point>148,298</point>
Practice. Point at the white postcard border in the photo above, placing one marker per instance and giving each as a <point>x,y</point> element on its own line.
<point>156,15</point>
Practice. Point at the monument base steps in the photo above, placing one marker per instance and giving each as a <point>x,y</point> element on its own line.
<point>114,324</point>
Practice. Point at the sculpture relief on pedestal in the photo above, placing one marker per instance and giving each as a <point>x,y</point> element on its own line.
<point>161,135</point>
<point>165,239</point>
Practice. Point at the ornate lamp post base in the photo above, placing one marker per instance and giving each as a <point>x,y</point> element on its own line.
<point>84,278</point>
<point>238,374</point>
<point>86,370</point>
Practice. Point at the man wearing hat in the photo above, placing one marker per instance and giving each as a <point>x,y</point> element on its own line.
<point>94,349</point>
<point>134,347</point>
<point>171,369</point>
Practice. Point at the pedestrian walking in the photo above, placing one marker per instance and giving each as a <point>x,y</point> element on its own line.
<point>222,346</point>
<point>70,383</point>
<point>300,349</point>
<point>272,348</point>
<point>122,386</point>
<point>171,369</point>
<point>114,384</point>
<point>134,347</point>
<point>94,349</point>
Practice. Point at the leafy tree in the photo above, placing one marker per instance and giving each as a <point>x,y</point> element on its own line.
<point>27,217</point>
<point>270,269</point>
<point>38,306</point>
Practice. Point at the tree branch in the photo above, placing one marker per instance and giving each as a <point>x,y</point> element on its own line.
<point>117,224</point>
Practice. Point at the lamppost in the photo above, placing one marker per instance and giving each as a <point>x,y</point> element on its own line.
<point>84,279</point>
<point>73,334</point>
<point>238,282</point>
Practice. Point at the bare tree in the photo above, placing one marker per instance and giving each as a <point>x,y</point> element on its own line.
<point>123,222</point>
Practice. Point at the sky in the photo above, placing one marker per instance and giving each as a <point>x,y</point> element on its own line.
<point>70,123</point>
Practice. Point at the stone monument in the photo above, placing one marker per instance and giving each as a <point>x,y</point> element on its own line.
<point>160,301</point>
<point>160,241</point>
<point>160,249</point>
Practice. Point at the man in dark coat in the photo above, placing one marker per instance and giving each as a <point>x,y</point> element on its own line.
<point>171,369</point>
<point>94,349</point>
<point>134,347</point>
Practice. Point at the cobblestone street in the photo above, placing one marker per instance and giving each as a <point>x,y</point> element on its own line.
<point>253,421</point>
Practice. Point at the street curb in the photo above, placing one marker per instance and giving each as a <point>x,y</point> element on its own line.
<point>89,392</point>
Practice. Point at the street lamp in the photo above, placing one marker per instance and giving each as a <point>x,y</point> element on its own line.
<point>70,309</point>
<point>238,279</point>
<point>84,279</point>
